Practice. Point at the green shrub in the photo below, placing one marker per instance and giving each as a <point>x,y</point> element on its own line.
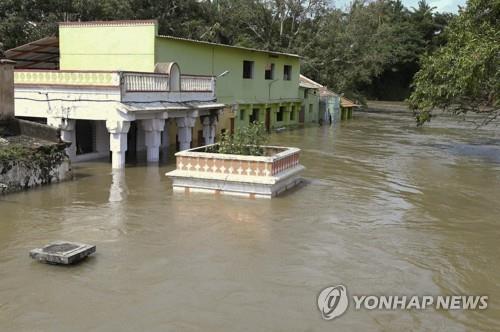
<point>246,141</point>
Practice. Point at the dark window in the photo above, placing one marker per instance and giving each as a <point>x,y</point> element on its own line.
<point>287,72</point>
<point>279,115</point>
<point>269,71</point>
<point>247,69</point>
<point>292,114</point>
<point>254,116</point>
<point>305,93</point>
<point>242,115</point>
<point>310,107</point>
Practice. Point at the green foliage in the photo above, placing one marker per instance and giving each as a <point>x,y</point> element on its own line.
<point>25,154</point>
<point>464,75</point>
<point>246,141</point>
<point>14,152</point>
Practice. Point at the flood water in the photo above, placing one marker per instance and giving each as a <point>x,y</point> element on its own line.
<point>387,209</point>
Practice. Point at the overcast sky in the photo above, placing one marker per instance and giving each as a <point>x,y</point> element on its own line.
<point>441,5</point>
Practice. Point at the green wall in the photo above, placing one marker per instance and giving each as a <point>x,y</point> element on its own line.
<point>311,114</point>
<point>137,47</point>
<point>211,59</point>
<point>107,47</point>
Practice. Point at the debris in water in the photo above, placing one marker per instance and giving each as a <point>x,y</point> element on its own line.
<point>62,252</point>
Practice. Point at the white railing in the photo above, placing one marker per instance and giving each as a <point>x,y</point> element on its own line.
<point>196,83</point>
<point>145,82</point>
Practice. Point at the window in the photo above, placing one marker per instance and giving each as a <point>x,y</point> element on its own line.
<point>305,93</point>
<point>287,72</point>
<point>292,114</point>
<point>248,69</point>
<point>310,108</point>
<point>242,115</point>
<point>255,115</point>
<point>279,115</point>
<point>269,75</point>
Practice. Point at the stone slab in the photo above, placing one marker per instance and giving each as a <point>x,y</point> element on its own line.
<point>62,252</point>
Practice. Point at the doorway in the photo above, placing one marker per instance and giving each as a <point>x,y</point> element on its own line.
<point>302,114</point>
<point>268,120</point>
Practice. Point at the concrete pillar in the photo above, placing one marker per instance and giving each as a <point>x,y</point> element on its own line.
<point>184,132</point>
<point>209,128</point>
<point>118,141</point>
<point>68,133</point>
<point>152,129</point>
<point>6,89</point>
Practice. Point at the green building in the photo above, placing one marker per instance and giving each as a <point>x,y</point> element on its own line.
<point>119,86</point>
<point>256,85</point>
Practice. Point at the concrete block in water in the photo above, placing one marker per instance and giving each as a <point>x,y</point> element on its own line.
<point>62,252</point>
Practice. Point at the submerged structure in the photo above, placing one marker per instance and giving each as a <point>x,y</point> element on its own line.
<point>120,87</point>
<point>254,176</point>
<point>63,252</point>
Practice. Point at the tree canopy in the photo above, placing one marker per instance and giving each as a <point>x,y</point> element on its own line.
<point>464,75</point>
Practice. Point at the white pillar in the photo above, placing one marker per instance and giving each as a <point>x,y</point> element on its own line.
<point>68,134</point>
<point>184,131</point>
<point>118,141</point>
<point>206,129</point>
<point>209,129</point>
<point>213,129</point>
<point>153,129</point>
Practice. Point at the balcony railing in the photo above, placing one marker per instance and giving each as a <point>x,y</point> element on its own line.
<point>196,83</point>
<point>142,82</point>
<point>145,82</point>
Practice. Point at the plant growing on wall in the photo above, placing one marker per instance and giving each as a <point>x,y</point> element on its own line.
<point>247,141</point>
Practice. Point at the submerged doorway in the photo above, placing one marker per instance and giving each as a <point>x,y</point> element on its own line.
<point>131,153</point>
<point>268,120</point>
<point>85,136</point>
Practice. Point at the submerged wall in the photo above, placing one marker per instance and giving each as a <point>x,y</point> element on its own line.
<point>31,154</point>
<point>23,168</point>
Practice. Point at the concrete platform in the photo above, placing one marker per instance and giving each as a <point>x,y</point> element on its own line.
<point>265,176</point>
<point>62,252</point>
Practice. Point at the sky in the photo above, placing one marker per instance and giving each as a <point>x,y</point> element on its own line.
<point>441,5</point>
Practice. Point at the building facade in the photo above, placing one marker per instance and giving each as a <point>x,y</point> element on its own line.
<point>101,78</point>
<point>255,85</point>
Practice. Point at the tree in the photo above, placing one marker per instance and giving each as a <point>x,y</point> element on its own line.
<point>464,75</point>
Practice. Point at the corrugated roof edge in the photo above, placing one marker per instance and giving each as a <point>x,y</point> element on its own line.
<point>229,46</point>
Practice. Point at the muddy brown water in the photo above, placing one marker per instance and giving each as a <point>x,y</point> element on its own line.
<point>387,209</point>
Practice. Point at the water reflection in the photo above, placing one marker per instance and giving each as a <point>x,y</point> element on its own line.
<point>118,190</point>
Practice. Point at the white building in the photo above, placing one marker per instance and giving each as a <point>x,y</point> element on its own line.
<point>96,110</point>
